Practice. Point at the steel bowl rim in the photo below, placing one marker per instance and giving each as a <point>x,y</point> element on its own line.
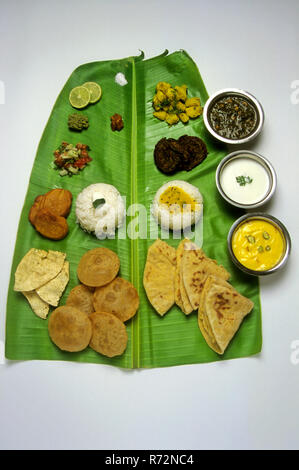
<point>269,218</point>
<point>254,101</point>
<point>266,163</point>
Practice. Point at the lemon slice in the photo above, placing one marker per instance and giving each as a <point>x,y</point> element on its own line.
<point>95,91</point>
<point>79,97</point>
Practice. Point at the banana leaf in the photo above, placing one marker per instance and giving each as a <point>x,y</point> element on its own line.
<point>125,160</point>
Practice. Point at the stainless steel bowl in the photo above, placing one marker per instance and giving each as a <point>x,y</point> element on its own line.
<point>258,158</point>
<point>268,218</point>
<point>233,92</point>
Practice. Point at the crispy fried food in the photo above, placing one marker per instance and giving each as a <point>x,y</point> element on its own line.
<point>39,306</point>
<point>167,155</point>
<point>58,201</point>
<point>35,208</point>
<point>52,291</point>
<point>98,267</point>
<point>109,335</point>
<point>81,297</point>
<point>69,328</point>
<point>185,153</point>
<point>50,225</point>
<point>119,297</point>
<point>195,151</point>
<point>37,268</point>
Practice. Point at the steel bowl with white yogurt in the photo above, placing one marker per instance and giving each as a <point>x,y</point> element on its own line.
<point>246,179</point>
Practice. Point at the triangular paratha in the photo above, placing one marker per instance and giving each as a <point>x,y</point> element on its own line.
<point>221,312</point>
<point>196,267</point>
<point>181,297</point>
<point>158,277</point>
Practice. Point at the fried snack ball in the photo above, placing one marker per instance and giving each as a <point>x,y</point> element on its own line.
<point>58,201</point>
<point>109,334</point>
<point>98,267</point>
<point>70,329</point>
<point>81,297</point>
<point>119,297</point>
<point>50,225</point>
<point>35,208</point>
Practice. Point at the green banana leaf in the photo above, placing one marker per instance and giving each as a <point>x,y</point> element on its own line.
<point>125,159</point>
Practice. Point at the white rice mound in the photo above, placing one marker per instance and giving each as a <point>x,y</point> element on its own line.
<point>177,220</point>
<point>103,220</point>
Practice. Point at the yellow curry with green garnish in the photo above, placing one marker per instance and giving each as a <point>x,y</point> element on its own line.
<point>258,245</point>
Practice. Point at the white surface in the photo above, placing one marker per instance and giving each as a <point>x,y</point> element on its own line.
<point>245,403</point>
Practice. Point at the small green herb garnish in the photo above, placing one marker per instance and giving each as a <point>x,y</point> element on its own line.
<point>243,180</point>
<point>268,248</point>
<point>266,236</point>
<point>98,202</point>
<point>260,249</point>
<point>250,238</point>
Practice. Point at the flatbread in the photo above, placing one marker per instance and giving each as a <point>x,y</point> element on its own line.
<point>109,334</point>
<point>221,312</point>
<point>37,268</point>
<point>119,297</point>
<point>196,267</point>
<point>39,306</point>
<point>69,328</point>
<point>181,297</point>
<point>52,291</point>
<point>159,274</point>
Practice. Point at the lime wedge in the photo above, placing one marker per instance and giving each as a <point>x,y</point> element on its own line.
<point>79,97</point>
<point>95,91</point>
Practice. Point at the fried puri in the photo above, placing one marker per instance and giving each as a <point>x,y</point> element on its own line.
<point>98,267</point>
<point>109,335</point>
<point>119,297</point>
<point>81,297</point>
<point>70,329</point>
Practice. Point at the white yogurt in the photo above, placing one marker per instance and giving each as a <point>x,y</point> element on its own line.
<point>254,175</point>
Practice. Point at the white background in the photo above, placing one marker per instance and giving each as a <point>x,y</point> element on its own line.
<point>244,403</point>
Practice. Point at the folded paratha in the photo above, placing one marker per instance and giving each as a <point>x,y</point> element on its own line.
<point>158,277</point>
<point>181,297</point>
<point>221,312</point>
<point>195,269</point>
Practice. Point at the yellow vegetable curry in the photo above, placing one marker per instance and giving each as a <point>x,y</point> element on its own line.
<point>258,245</point>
